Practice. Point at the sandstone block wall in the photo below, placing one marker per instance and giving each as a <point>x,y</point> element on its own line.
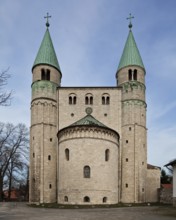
<point>87,147</point>
<point>153,185</point>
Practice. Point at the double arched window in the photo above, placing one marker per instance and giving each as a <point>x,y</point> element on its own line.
<point>105,99</point>
<point>72,99</point>
<point>132,75</point>
<point>89,99</point>
<point>45,74</point>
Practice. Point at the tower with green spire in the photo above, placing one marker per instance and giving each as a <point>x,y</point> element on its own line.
<point>43,147</point>
<point>131,78</point>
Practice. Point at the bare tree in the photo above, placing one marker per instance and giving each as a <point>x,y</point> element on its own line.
<point>5,97</point>
<point>14,148</point>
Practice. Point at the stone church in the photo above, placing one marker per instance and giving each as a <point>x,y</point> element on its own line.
<point>88,145</point>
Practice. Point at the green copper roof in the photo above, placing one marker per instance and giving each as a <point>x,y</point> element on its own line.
<point>88,120</point>
<point>46,53</point>
<point>131,55</point>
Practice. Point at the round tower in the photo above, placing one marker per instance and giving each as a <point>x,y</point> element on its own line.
<point>43,140</point>
<point>88,164</point>
<point>131,78</point>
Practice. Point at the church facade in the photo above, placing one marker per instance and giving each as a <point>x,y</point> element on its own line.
<point>88,145</point>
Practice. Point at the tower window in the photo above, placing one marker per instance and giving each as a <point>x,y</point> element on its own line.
<point>106,154</point>
<point>50,186</point>
<point>126,159</point>
<point>48,75</point>
<point>49,157</point>
<point>42,74</point>
<point>129,128</point>
<point>72,99</point>
<point>89,99</point>
<point>67,154</point>
<point>51,139</point>
<point>86,172</point>
<point>104,199</point>
<point>86,199</point>
<point>135,74</point>
<point>105,99</point>
<point>33,155</point>
<point>129,74</point>
<point>45,74</point>
<point>126,185</point>
<point>127,141</point>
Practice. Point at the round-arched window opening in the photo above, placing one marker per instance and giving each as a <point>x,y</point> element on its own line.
<point>66,198</point>
<point>86,199</point>
<point>104,199</point>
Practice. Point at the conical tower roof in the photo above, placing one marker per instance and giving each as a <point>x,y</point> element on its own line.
<point>46,54</point>
<point>130,55</point>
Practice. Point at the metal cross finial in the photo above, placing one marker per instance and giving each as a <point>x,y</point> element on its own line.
<point>47,19</point>
<point>129,18</point>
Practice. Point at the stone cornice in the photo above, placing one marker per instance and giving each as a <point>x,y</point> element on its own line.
<point>92,132</point>
<point>135,102</point>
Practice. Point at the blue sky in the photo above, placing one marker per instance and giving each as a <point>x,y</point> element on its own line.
<point>89,36</point>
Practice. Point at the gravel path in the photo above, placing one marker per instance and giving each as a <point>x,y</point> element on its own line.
<point>20,211</point>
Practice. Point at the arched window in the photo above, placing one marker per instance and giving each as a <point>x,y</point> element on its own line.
<point>67,154</point>
<point>129,74</point>
<point>105,99</point>
<point>72,99</point>
<point>42,74</point>
<point>104,199</point>
<point>66,198</point>
<point>135,74</point>
<point>48,75</point>
<point>89,99</point>
<point>50,186</point>
<point>86,172</point>
<point>86,100</point>
<point>106,154</point>
<point>49,157</point>
<point>86,199</point>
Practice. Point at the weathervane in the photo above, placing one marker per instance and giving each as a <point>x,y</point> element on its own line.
<point>47,19</point>
<point>130,18</point>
